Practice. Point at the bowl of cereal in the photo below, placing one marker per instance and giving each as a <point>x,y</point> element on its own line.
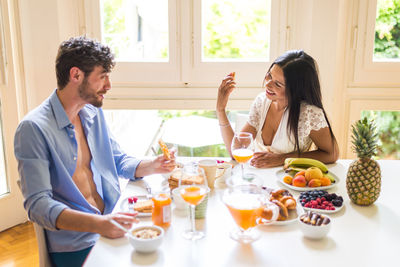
<point>146,239</point>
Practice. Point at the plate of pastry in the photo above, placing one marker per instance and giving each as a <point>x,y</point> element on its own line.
<point>289,209</point>
<point>141,204</point>
<point>292,216</point>
<point>298,182</point>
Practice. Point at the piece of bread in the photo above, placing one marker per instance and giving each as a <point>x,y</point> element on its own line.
<point>187,180</point>
<point>164,149</point>
<point>143,206</point>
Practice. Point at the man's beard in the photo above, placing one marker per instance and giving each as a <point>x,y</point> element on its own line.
<point>85,94</point>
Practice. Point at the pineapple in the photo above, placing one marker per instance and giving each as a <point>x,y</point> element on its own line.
<point>363,180</point>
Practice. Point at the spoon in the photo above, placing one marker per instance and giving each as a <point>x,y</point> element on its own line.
<point>121,227</point>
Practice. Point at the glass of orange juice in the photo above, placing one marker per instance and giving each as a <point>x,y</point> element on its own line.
<point>242,148</point>
<point>193,188</point>
<point>247,204</point>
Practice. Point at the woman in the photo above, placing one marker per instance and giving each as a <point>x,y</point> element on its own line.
<point>288,117</point>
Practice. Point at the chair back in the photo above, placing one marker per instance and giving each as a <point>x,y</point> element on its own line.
<point>240,121</point>
<point>44,258</point>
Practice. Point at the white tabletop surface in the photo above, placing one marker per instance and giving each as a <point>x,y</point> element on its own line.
<point>359,236</point>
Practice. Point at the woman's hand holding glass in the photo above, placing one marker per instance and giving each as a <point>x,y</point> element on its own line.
<point>242,148</point>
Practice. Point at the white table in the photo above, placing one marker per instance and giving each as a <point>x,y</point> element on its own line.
<point>359,236</point>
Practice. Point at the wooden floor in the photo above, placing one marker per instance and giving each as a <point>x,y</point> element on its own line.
<point>18,246</point>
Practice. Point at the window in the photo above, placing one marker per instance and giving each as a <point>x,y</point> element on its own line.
<point>388,129</point>
<point>178,43</point>
<point>235,30</point>
<point>387,31</point>
<point>3,178</point>
<point>135,30</point>
<point>193,132</point>
<point>376,43</point>
<point>386,113</point>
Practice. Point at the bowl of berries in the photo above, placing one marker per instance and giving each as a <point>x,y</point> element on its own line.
<point>321,201</point>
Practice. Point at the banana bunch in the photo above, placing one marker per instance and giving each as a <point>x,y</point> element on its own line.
<point>305,163</point>
<point>302,164</point>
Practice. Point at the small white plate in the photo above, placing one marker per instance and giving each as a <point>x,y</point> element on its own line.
<point>337,209</point>
<point>124,206</point>
<point>281,173</point>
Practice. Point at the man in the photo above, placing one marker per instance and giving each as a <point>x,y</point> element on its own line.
<point>68,161</point>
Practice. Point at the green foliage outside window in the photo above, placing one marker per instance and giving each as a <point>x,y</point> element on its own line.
<point>231,34</point>
<point>387,29</point>
<point>114,26</point>
<point>388,126</point>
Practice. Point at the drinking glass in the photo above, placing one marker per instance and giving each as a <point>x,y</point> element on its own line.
<point>193,189</point>
<point>242,148</point>
<point>249,207</point>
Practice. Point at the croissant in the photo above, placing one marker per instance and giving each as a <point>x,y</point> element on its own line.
<point>283,196</point>
<point>283,212</point>
<point>288,202</point>
<point>277,194</point>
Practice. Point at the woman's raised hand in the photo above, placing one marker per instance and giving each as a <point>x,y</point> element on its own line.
<point>224,90</point>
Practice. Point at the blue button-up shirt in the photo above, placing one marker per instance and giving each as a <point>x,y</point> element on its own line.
<point>46,149</point>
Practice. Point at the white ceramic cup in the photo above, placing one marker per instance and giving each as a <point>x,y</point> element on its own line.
<point>210,169</point>
<point>225,170</point>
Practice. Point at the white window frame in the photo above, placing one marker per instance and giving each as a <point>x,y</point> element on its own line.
<point>133,73</point>
<point>366,71</point>
<point>185,68</point>
<point>11,202</point>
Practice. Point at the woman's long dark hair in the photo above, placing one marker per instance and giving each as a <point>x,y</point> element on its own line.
<point>302,84</point>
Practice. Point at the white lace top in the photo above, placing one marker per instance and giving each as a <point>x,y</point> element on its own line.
<point>311,118</point>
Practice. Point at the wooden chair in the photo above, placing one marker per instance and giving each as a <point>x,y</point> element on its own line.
<point>44,258</point>
<point>153,147</point>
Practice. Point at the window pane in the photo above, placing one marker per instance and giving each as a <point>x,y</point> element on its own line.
<point>3,178</point>
<point>388,127</point>
<point>195,132</point>
<point>135,30</point>
<point>387,31</point>
<point>236,29</point>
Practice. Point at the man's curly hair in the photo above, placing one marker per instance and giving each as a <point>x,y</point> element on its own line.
<point>83,53</point>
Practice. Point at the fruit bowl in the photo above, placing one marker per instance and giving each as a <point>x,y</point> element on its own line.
<point>280,174</point>
<point>317,227</point>
<point>146,239</point>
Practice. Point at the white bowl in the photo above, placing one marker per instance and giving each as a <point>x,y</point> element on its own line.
<point>315,231</point>
<point>146,245</point>
<point>180,204</point>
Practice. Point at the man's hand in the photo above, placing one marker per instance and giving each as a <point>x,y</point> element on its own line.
<point>162,165</point>
<point>107,229</point>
